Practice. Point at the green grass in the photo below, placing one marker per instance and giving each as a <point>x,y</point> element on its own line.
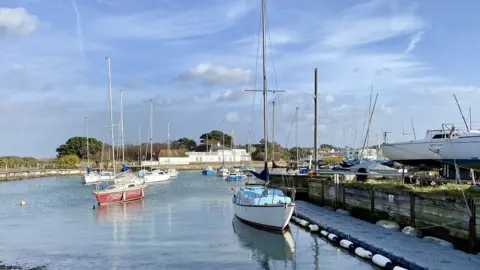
<point>449,189</point>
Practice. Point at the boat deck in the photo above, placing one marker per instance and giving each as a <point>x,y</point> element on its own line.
<point>387,242</point>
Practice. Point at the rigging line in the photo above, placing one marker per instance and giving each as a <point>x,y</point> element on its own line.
<point>271,51</point>
<point>290,132</point>
<point>457,179</point>
<point>329,115</point>
<point>255,78</point>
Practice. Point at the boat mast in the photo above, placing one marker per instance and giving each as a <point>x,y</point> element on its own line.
<point>315,121</point>
<point>121,127</point>
<point>223,143</point>
<point>111,112</point>
<point>264,62</point>
<point>151,129</point>
<point>168,138</point>
<point>88,149</point>
<point>273,131</point>
<point>139,144</point>
<point>296,134</point>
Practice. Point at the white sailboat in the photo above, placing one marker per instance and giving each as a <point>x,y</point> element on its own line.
<point>223,171</point>
<point>462,149</point>
<point>155,175</point>
<point>259,205</point>
<point>91,176</point>
<point>126,186</point>
<point>424,152</point>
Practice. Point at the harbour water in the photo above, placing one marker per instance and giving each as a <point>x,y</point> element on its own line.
<point>186,223</point>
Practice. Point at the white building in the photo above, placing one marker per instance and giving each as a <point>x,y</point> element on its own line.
<point>368,153</point>
<point>234,155</point>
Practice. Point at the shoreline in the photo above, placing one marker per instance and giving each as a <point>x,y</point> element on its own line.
<point>12,174</point>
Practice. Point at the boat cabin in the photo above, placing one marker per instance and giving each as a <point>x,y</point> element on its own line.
<point>255,196</point>
<point>439,134</point>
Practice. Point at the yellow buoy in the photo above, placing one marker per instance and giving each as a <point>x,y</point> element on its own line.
<point>22,202</point>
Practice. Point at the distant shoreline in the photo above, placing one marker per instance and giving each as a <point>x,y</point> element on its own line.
<point>11,174</point>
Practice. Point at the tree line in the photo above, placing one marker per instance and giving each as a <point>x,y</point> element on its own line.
<point>77,147</point>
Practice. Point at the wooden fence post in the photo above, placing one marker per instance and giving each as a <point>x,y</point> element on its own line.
<point>412,209</point>
<point>323,193</point>
<point>472,230</point>
<point>372,204</point>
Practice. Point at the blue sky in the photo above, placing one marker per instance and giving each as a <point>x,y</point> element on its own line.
<point>194,58</point>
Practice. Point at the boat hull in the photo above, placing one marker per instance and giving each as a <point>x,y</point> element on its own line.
<point>208,172</point>
<point>419,154</point>
<point>270,217</point>
<point>464,151</point>
<point>173,173</point>
<point>152,178</point>
<point>119,196</point>
<point>236,178</point>
<point>223,173</point>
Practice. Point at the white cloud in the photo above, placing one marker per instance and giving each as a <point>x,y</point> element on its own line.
<point>370,30</point>
<point>17,21</point>
<point>178,24</point>
<point>414,40</point>
<point>232,117</point>
<point>232,96</point>
<point>212,74</point>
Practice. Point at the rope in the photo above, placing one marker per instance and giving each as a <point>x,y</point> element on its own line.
<point>440,225</point>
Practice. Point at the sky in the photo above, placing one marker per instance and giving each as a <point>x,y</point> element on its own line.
<point>194,59</point>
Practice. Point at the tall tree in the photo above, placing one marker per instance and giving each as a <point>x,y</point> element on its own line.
<point>216,136</point>
<point>184,143</point>
<point>78,146</point>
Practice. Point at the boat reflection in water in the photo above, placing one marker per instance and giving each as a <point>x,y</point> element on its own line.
<point>265,245</point>
<point>119,212</point>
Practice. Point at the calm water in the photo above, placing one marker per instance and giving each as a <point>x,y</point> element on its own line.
<point>186,223</point>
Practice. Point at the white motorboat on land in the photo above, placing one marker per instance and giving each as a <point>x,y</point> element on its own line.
<point>424,152</point>
<point>155,176</point>
<point>462,149</point>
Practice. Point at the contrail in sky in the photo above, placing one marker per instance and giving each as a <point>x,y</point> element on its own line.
<point>79,29</point>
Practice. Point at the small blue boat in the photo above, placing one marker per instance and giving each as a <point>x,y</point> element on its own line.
<point>236,177</point>
<point>208,171</point>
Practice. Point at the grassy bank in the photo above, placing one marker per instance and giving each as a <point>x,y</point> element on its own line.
<point>450,189</point>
